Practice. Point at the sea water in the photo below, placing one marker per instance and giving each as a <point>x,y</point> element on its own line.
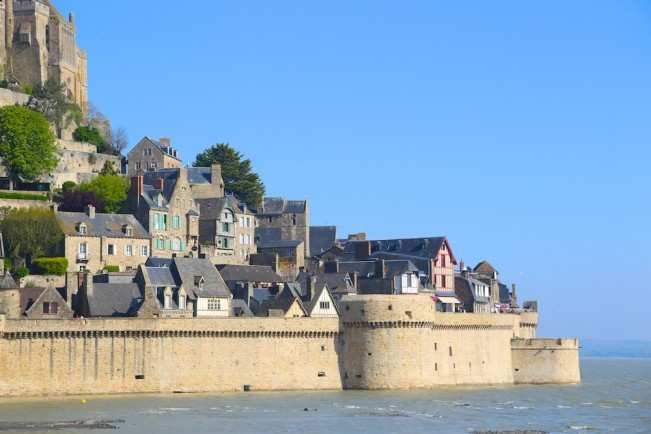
<point>615,397</point>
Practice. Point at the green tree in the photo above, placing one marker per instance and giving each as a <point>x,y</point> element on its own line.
<point>237,173</point>
<point>53,100</point>
<point>109,169</point>
<point>27,145</point>
<point>30,233</point>
<point>112,190</point>
<point>90,135</point>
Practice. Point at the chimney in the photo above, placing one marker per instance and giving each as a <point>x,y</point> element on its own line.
<point>514,296</point>
<point>462,266</point>
<point>166,142</point>
<point>159,184</point>
<point>362,250</point>
<point>216,175</point>
<point>138,185</point>
<point>311,286</point>
<point>90,211</point>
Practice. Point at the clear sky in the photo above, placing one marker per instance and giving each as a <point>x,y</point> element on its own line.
<point>520,130</point>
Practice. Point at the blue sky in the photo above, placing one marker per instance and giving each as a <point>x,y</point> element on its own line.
<point>518,129</point>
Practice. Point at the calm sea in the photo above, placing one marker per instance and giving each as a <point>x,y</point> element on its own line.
<point>615,397</point>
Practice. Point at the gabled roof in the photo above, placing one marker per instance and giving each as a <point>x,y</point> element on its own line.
<point>399,266</point>
<point>103,225</point>
<point>338,283</point>
<point>322,238</point>
<point>311,304</point>
<point>249,273</point>
<point>186,269</point>
<point>7,282</point>
<point>362,268</point>
<point>212,209</point>
<point>153,261</point>
<point>51,293</point>
<point>278,205</point>
<point>161,147</point>
<point>115,299</point>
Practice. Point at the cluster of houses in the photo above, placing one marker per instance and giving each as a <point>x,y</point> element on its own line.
<point>188,249</point>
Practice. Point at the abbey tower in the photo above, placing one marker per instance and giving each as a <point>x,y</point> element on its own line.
<point>40,44</point>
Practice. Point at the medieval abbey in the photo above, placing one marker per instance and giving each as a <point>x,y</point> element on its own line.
<point>40,44</point>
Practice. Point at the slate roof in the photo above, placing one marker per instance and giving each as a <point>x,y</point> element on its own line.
<point>107,225</point>
<point>407,248</point>
<point>338,283</point>
<point>278,205</point>
<point>212,209</point>
<point>7,282</point>
<point>199,175</point>
<point>162,148</point>
<point>249,273</point>
<point>29,296</point>
<point>322,238</point>
<point>153,261</point>
<point>362,268</point>
<point>239,308</point>
<point>160,276</point>
<point>311,304</point>
<point>187,268</point>
<point>396,267</point>
<point>115,299</point>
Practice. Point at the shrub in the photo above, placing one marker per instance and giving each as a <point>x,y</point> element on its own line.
<point>90,135</point>
<point>9,264</point>
<point>4,84</point>
<point>50,266</point>
<point>22,272</point>
<point>68,186</point>
<point>22,196</point>
<point>28,89</point>
<point>112,269</point>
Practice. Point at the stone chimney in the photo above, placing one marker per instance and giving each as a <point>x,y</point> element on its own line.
<point>90,211</point>
<point>362,250</point>
<point>514,296</point>
<point>166,142</point>
<point>462,266</point>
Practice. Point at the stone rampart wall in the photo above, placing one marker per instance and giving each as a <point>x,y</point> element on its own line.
<point>40,358</point>
<point>546,361</point>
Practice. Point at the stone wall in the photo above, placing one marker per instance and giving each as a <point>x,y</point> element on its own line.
<point>381,342</point>
<point>401,342</point>
<point>163,356</point>
<point>546,361</point>
<point>9,97</point>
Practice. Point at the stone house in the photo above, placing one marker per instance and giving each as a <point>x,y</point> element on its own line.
<point>286,257</point>
<point>318,300</point>
<point>339,284</point>
<point>162,201</point>
<point>280,219</point>
<point>93,241</point>
<point>381,276</point>
<point>151,155</point>
<point>226,230</point>
<point>188,285</point>
<point>485,272</point>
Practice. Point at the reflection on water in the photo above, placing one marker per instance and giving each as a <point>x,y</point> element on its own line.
<point>615,397</point>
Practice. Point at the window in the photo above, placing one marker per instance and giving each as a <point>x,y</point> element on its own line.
<point>241,222</point>
<point>111,249</point>
<point>83,250</point>
<point>168,301</point>
<point>176,244</point>
<point>128,231</point>
<point>83,229</point>
<point>50,308</point>
<point>214,304</point>
<point>294,219</point>
<point>450,351</point>
<point>324,305</point>
<point>226,227</point>
<point>248,222</point>
<point>182,301</point>
<point>128,250</point>
<point>443,282</point>
<point>199,281</point>
<point>144,251</point>
<point>176,222</point>
<point>138,165</point>
<point>443,260</point>
<point>409,280</point>
<point>241,238</point>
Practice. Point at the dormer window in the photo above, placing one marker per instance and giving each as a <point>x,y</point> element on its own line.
<point>127,230</point>
<point>199,281</point>
<point>82,229</point>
